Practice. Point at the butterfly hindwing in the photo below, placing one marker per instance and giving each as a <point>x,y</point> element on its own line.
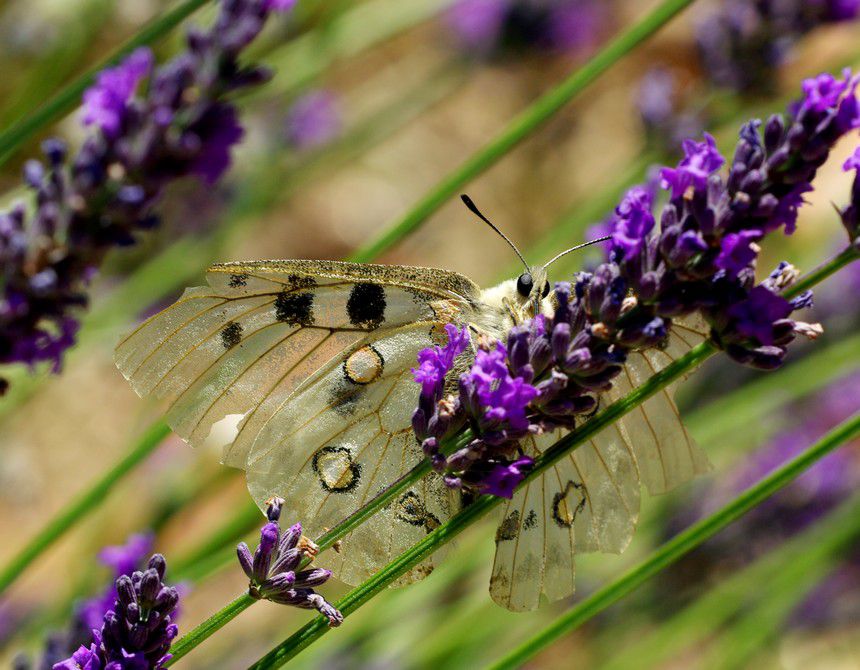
<point>589,501</point>
<point>591,497</point>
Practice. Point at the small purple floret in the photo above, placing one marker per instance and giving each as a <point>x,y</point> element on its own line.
<point>105,103</point>
<point>503,479</point>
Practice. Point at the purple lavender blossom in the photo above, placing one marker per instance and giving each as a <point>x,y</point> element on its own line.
<point>488,27</point>
<point>137,631</point>
<point>274,568</point>
<point>742,42</point>
<point>632,223</point>
<point>106,194</point>
<point>700,160</point>
<point>124,560</point>
<point>851,213</point>
<point>500,399</point>
<point>106,102</point>
<point>313,120</point>
<point>504,478</point>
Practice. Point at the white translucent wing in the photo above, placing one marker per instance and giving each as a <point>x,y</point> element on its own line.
<point>335,445</point>
<point>590,500</point>
<point>666,454</point>
<point>243,344</point>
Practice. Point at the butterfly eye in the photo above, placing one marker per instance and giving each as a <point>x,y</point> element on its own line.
<point>524,284</point>
<point>545,291</point>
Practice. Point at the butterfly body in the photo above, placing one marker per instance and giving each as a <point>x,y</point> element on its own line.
<point>316,356</point>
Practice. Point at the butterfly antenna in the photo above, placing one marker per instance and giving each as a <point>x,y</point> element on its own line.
<point>474,209</point>
<point>578,246</point>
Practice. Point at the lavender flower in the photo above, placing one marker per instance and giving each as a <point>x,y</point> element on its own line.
<point>124,560</point>
<point>313,120</point>
<point>89,614</point>
<point>744,41</point>
<point>700,259</point>
<point>851,213</point>
<point>106,194</point>
<point>138,630</point>
<point>486,27</point>
<point>274,572</point>
<point>659,104</point>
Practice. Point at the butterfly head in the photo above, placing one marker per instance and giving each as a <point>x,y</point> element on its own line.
<point>532,287</point>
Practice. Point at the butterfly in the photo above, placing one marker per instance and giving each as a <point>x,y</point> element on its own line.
<point>316,358</point>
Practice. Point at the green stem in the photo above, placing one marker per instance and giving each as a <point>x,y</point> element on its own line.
<point>681,544</point>
<point>88,500</point>
<point>815,547</point>
<point>69,96</point>
<point>823,271</point>
<point>523,125</point>
<point>217,621</point>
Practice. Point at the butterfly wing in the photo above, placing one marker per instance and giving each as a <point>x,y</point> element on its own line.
<point>280,341</point>
<point>589,501</point>
<point>327,458</point>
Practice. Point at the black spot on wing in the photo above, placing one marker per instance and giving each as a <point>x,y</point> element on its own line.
<point>335,469</point>
<point>567,503</point>
<point>299,281</point>
<point>231,335</point>
<point>366,305</point>
<point>238,280</point>
<point>509,528</point>
<point>344,398</point>
<point>531,520</point>
<point>410,509</point>
<point>296,309</point>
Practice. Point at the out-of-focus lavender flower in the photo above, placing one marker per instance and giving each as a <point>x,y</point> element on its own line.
<point>105,195</point>
<point>137,631</point>
<point>742,42</point>
<point>274,568</point>
<point>313,120</point>
<point>106,102</point>
<point>851,213</point>
<point>487,27</point>
<point>659,105</point>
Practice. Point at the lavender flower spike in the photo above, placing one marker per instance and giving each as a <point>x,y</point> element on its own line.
<point>273,569</point>
<point>137,632</point>
<point>141,138</point>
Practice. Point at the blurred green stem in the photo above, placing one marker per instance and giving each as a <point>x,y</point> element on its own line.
<point>681,544</point>
<point>800,557</point>
<point>85,503</point>
<point>69,96</point>
<point>523,125</point>
<point>358,596</point>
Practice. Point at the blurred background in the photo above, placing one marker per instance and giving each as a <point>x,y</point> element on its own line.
<point>373,102</point>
